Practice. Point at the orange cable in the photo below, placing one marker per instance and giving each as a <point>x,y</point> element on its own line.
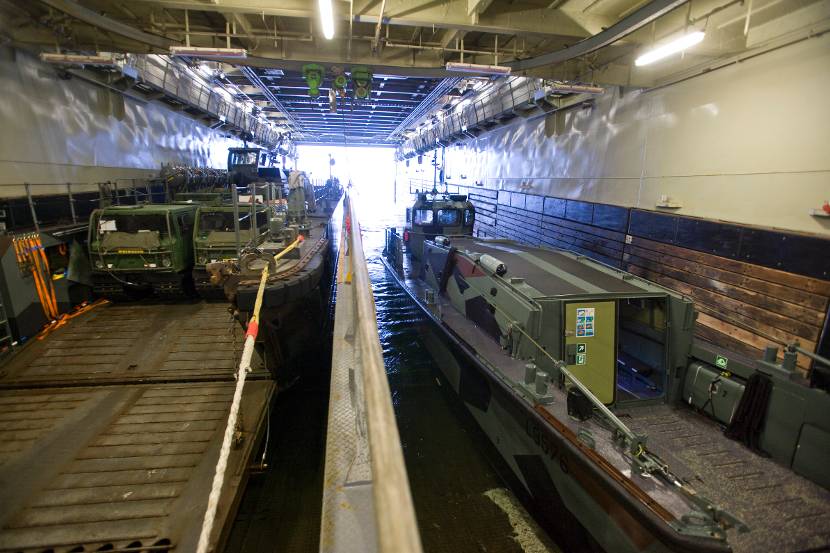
<point>47,276</point>
<point>40,285</point>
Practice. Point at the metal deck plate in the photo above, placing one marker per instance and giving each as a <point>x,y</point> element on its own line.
<point>785,512</point>
<point>115,467</point>
<point>348,518</point>
<point>551,272</point>
<point>130,343</point>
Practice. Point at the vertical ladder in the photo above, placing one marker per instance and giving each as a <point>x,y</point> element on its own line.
<point>6,339</point>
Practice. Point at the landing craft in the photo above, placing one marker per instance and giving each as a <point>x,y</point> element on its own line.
<point>590,384</point>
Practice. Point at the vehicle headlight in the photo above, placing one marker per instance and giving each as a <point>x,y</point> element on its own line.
<point>99,264</point>
<point>165,260</point>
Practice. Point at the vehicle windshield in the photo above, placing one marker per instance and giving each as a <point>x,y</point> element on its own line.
<point>448,217</point>
<point>245,158</point>
<point>222,221</point>
<point>133,223</point>
<point>423,217</point>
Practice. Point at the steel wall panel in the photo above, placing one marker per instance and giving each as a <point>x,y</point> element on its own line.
<point>57,131</point>
<point>726,145</point>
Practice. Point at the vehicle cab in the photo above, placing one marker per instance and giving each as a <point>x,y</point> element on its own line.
<point>251,164</point>
<point>141,245</point>
<point>437,215</point>
<point>214,234</point>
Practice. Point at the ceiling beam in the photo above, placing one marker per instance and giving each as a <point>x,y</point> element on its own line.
<point>449,14</point>
<point>476,8</point>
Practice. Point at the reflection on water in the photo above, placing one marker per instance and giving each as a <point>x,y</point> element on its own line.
<point>454,471</point>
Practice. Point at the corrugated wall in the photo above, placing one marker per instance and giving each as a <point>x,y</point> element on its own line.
<point>57,131</point>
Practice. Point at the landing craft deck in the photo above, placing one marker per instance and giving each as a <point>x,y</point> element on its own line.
<point>784,511</point>
<point>118,467</point>
<point>110,430</point>
<point>134,343</point>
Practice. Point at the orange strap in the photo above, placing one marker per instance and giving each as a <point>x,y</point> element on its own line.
<point>66,317</point>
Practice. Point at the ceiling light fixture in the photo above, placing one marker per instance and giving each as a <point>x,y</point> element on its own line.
<point>196,52</point>
<point>677,45</point>
<point>101,58</point>
<point>477,69</point>
<point>326,18</point>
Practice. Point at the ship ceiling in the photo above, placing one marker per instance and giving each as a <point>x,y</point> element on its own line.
<point>407,43</point>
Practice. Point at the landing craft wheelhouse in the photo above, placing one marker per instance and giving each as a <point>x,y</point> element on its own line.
<point>437,214</point>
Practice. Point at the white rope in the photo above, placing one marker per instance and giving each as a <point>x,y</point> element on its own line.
<point>224,453</point>
<point>244,369</point>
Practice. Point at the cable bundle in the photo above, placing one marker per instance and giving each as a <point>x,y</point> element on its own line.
<point>31,255</point>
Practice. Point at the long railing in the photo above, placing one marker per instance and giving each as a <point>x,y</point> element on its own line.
<point>394,515</point>
<point>510,97</point>
<point>70,203</point>
<point>67,203</point>
<point>174,80</point>
<point>512,94</point>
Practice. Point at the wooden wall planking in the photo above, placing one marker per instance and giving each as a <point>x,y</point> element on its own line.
<point>749,291</point>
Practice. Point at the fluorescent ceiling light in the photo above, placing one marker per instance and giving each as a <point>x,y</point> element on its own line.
<point>196,52</point>
<point>456,67</point>
<point>326,18</point>
<point>101,58</point>
<point>678,45</point>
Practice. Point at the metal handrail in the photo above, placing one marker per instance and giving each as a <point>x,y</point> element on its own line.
<point>507,96</point>
<point>395,520</point>
<point>172,79</point>
<point>121,187</point>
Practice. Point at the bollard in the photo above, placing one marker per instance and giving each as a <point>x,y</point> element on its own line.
<point>530,374</point>
<point>541,383</point>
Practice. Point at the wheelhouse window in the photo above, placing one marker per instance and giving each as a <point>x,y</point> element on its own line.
<point>423,217</point>
<point>244,157</point>
<point>449,217</point>
<point>468,216</point>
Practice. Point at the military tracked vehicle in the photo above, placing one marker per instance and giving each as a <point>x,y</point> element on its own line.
<point>142,247</point>
<point>216,238</point>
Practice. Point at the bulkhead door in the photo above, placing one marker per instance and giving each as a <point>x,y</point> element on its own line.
<point>591,346</point>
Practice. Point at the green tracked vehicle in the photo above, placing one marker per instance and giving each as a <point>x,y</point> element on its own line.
<point>215,237</point>
<point>140,248</point>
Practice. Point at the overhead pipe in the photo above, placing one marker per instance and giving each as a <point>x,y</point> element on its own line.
<point>376,40</point>
<point>252,76</point>
<point>93,18</point>
<point>622,28</point>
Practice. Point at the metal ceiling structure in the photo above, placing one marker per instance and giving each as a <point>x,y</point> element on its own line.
<point>370,121</point>
<point>407,43</point>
